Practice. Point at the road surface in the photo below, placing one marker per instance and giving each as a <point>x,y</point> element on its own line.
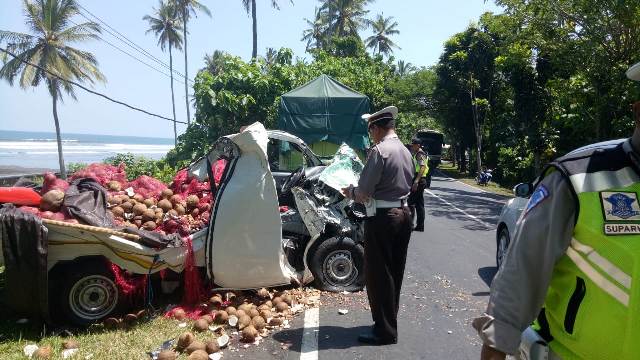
<point>449,269</point>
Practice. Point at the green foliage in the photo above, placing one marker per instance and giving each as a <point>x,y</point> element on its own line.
<point>73,167</point>
<point>139,165</point>
<point>408,124</point>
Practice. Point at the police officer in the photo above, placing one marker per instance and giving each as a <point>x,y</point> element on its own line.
<point>416,199</point>
<point>386,182</point>
<point>574,260</point>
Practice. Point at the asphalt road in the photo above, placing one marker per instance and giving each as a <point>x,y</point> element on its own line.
<point>449,269</point>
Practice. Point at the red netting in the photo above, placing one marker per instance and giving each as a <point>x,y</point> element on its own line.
<point>51,182</point>
<point>193,289</point>
<point>193,312</point>
<point>147,186</point>
<point>132,286</point>
<point>103,173</point>
<point>218,169</point>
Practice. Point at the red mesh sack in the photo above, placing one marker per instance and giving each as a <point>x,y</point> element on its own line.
<point>218,170</point>
<point>103,173</point>
<point>180,179</point>
<point>147,186</point>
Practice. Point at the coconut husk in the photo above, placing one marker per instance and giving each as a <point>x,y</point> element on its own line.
<point>264,293</point>
<point>166,193</point>
<point>269,303</point>
<point>148,215</point>
<point>276,300</point>
<point>243,322</point>
<point>207,318</point>
<point>249,334</point>
<point>282,306</point>
<point>43,352</point>
<point>199,355</point>
<point>139,198</point>
<point>165,205</point>
<point>287,299</point>
<point>253,313</point>
<point>230,310</point>
<point>149,202</point>
<point>195,345</point>
<point>118,212</point>
<point>149,225</point>
<point>167,355</point>
<point>215,300</point>
<point>258,322</point>
<point>52,200</point>
<point>179,314</point>
<point>130,319</point>
<point>276,321</point>
<point>111,323</point>
<point>141,314</point>
<point>179,209</point>
<point>212,347</point>
<point>185,340</point>
<point>192,201</point>
<point>221,317</point>
<point>240,313</point>
<point>127,207</point>
<point>70,344</point>
<point>200,325</point>
<point>138,209</point>
<point>266,313</point>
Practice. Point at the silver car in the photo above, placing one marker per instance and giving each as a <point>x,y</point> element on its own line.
<point>514,207</point>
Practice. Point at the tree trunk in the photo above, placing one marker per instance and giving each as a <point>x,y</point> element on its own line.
<point>173,100</point>
<point>63,170</point>
<point>186,71</point>
<point>476,126</point>
<point>254,54</point>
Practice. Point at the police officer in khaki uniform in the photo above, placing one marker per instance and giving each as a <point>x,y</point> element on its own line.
<point>572,265</point>
<point>386,178</point>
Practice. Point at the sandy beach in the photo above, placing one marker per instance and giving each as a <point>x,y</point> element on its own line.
<point>11,170</point>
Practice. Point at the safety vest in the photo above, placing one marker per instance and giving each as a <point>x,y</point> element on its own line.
<point>417,164</point>
<point>592,306</point>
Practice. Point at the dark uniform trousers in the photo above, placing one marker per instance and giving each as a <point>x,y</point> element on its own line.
<point>387,237</point>
<point>416,201</point>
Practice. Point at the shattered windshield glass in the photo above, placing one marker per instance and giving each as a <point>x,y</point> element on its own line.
<point>344,170</point>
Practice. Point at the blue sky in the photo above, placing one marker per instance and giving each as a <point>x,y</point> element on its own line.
<point>424,26</point>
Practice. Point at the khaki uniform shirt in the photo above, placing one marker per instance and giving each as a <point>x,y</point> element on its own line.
<point>518,290</point>
<point>388,173</point>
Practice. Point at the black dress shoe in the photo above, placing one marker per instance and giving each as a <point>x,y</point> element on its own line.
<point>369,338</point>
<point>420,229</point>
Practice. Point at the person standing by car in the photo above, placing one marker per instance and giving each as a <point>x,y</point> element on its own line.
<point>416,199</point>
<point>573,260</point>
<point>386,182</point>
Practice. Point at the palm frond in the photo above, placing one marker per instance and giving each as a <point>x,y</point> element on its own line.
<point>80,32</point>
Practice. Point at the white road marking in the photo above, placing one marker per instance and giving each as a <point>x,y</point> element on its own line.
<point>309,348</point>
<point>465,184</point>
<point>474,218</point>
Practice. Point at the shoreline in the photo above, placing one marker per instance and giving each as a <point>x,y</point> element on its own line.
<point>16,171</point>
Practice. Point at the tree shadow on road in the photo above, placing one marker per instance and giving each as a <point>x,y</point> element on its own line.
<point>329,337</point>
<point>483,206</point>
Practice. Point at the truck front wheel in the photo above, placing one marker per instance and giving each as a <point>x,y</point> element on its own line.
<point>337,265</point>
<point>87,293</point>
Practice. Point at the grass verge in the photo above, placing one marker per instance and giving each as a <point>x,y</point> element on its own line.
<point>492,187</point>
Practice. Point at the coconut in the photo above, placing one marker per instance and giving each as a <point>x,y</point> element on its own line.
<point>165,205</point>
<point>212,347</point>
<point>141,314</point>
<point>166,193</point>
<point>139,198</point>
<point>127,206</point>
<point>149,202</point>
<point>244,321</point>
<point>184,340</point>
<point>70,344</point>
<point>114,200</point>
<point>221,317</point>
<point>148,215</point>
<point>43,352</point>
<point>277,300</point>
<point>179,314</point>
<point>111,323</point>
<point>130,319</point>
<point>215,300</point>
<point>204,207</point>
<point>249,334</point>
<point>276,321</point>
<point>282,306</point>
<point>149,225</point>
<point>229,296</point>
<point>192,201</point>
<point>231,310</point>
<point>195,212</point>
<point>258,322</point>
<point>268,303</point>
<point>200,325</point>
<point>167,355</point>
<point>172,213</point>
<point>179,209</point>
<point>265,313</point>
<point>264,293</point>
<point>240,313</point>
<point>233,320</point>
<point>207,318</point>
<point>253,313</point>
<point>137,223</point>
<point>118,212</point>
<point>176,199</point>
<point>114,185</point>
<point>199,355</point>
<point>52,200</point>
<point>195,345</point>
<point>288,299</point>
<point>138,209</point>
<point>244,307</point>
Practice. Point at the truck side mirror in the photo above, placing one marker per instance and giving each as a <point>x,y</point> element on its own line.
<point>523,190</point>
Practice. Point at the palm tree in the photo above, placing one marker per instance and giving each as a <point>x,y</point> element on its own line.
<point>346,17</point>
<point>383,28</point>
<point>49,47</point>
<point>315,34</point>
<point>250,7</point>
<point>215,63</point>
<point>166,27</point>
<point>404,68</point>
<point>188,8</point>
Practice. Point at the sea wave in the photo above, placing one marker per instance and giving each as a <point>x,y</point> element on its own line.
<point>25,146</point>
<point>63,140</point>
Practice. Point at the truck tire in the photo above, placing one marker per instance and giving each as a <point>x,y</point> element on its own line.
<point>337,265</point>
<point>84,292</point>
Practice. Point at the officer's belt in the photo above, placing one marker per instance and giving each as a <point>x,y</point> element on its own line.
<point>383,204</point>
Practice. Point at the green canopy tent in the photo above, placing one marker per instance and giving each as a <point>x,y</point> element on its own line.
<point>324,110</point>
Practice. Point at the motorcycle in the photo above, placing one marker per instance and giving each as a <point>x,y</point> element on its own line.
<point>484,177</point>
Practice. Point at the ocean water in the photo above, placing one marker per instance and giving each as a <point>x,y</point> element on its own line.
<point>39,149</point>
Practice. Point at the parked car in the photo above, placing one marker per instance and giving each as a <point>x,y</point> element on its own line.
<point>263,231</point>
<point>512,210</point>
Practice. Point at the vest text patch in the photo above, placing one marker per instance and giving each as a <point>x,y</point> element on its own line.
<point>621,229</point>
<point>620,206</point>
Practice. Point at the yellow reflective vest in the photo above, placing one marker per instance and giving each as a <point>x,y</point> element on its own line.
<point>416,163</point>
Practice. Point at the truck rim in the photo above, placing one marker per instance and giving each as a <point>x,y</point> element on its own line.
<point>93,297</point>
<point>339,268</point>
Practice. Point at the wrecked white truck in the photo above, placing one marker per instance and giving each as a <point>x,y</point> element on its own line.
<point>269,226</point>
